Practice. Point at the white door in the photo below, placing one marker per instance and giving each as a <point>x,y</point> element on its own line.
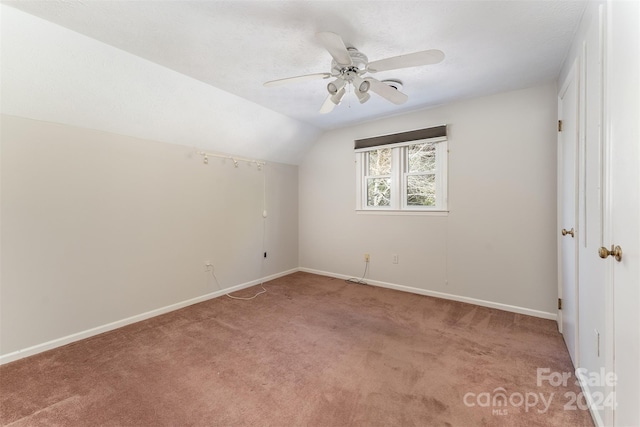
<point>623,108</point>
<point>567,140</point>
<point>592,290</point>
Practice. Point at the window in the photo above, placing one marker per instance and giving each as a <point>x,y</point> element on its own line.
<point>405,176</point>
<point>419,178</point>
<point>378,177</point>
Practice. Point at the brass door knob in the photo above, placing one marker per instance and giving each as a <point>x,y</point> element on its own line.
<point>565,232</point>
<point>615,252</point>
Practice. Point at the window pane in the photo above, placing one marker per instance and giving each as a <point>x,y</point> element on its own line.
<point>421,190</point>
<point>379,192</point>
<point>379,162</point>
<point>421,157</point>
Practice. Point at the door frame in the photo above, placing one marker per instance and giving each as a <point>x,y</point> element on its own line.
<point>573,75</point>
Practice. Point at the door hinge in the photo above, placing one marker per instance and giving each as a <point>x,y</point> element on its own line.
<point>559,125</point>
<point>559,303</point>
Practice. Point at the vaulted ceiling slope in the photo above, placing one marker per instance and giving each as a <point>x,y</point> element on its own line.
<point>216,55</point>
<point>53,74</point>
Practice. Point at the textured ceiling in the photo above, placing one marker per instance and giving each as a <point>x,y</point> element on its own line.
<point>490,46</point>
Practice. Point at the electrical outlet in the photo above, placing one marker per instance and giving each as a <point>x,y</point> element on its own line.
<point>395,258</point>
<point>366,258</point>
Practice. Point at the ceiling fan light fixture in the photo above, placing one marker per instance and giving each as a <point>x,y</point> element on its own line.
<point>334,87</point>
<point>336,98</point>
<point>362,96</point>
<point>360,84</point>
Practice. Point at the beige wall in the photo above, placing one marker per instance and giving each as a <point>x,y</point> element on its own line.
<point>97,227</point>
<point>498,242</point>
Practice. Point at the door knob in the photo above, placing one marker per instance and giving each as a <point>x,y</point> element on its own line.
<point>565,232</point>
<point>614,252</point>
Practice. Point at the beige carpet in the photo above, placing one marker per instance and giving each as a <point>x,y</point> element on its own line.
<point>312,351</point>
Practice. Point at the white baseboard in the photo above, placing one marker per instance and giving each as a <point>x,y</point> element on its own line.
<point>58,342</point>
<point>597,418</point>
<point>483,303</point>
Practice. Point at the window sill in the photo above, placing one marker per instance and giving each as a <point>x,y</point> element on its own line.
<point>400,213</point>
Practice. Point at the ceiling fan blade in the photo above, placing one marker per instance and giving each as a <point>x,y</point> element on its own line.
<point>387,92</point>
<point>331,101</point>
<point>297,79</point>
<point>327,106</point>
<point>426,57</point>
<point>335,46</point>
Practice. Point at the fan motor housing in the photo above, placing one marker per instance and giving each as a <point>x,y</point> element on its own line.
<point>359,65</point>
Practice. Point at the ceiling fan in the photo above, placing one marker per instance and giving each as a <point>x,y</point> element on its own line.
<point>349,66</point>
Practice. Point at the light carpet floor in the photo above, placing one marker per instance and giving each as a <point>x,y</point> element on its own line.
<point>312,351</point>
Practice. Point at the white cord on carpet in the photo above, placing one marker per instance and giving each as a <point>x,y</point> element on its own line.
<point>259,293</point>
<point>231,296</point>
<point>361,280</point>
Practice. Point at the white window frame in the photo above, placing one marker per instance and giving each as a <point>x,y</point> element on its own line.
<point>399,182</point>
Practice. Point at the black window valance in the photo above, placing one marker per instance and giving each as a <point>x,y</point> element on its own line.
<point>395,138</point>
